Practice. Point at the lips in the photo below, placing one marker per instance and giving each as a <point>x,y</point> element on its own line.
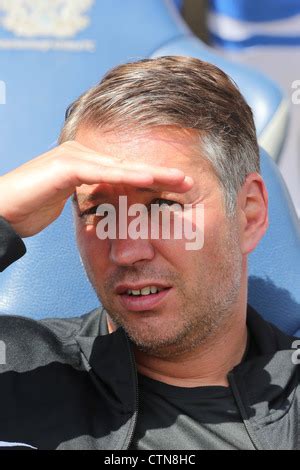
<point>142,303</point>
<point>123,288</point>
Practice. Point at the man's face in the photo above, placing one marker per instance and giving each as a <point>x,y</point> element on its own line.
<point>200,287</point>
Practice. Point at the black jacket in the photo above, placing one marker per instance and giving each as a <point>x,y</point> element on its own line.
<point>67,384</point>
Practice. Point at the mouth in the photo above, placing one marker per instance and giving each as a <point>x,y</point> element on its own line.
<point>138,298</point>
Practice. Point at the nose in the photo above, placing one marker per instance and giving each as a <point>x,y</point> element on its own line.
<point>128,252</point>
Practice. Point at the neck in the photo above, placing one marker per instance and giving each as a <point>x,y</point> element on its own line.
<point>208,364</point>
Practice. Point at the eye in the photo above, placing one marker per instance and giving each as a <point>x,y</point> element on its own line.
<point>90,216</point>
<point>165,202</point>
<point>90,211</point>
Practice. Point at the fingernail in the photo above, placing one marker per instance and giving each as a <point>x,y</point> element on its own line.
<point>189,180</point>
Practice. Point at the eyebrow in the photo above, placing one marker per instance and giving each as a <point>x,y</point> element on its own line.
<point>93,197</point>
<point>84,198</point>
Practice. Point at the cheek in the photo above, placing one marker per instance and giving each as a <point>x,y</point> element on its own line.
<point>174,254</point>
<point>220,244</point>
<point>94,252</point>
<point>212,241</point>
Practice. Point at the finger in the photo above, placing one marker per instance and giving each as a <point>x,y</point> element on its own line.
<point>181,187</point>
<point>160,173</point>
<point>96,174</point>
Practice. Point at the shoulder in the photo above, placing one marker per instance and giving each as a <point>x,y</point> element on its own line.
<point>25,342</point>
<point>268,338</point>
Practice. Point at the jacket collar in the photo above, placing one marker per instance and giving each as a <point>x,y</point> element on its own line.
<point>264,387</point>
<point>110,358</point>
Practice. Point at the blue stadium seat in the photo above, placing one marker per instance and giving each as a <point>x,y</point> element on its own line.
<point>44,74</point>
<point>274,267</point>
<point>246,23</point>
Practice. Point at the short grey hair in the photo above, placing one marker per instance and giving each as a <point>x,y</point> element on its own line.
<point>179,91</point>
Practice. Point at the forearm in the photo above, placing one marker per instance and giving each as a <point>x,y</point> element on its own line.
<point>11,245</point>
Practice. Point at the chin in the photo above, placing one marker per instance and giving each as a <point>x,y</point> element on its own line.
<point>155,339</point>
<point>151,330</point>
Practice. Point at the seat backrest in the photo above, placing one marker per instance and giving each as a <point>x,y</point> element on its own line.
<point>274,267</point>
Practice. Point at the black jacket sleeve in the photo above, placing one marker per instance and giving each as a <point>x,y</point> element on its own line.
<point>11,245</point>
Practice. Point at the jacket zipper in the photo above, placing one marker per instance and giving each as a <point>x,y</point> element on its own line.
<point>237,396</point>
<point>134,419</point>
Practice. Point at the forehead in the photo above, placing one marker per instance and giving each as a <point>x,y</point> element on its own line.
<point>164,146</point>
<point>167,146</point>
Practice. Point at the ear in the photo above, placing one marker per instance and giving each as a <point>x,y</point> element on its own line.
<point>253,212</point>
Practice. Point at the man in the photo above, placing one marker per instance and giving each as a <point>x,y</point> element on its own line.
<point>175,359</point>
